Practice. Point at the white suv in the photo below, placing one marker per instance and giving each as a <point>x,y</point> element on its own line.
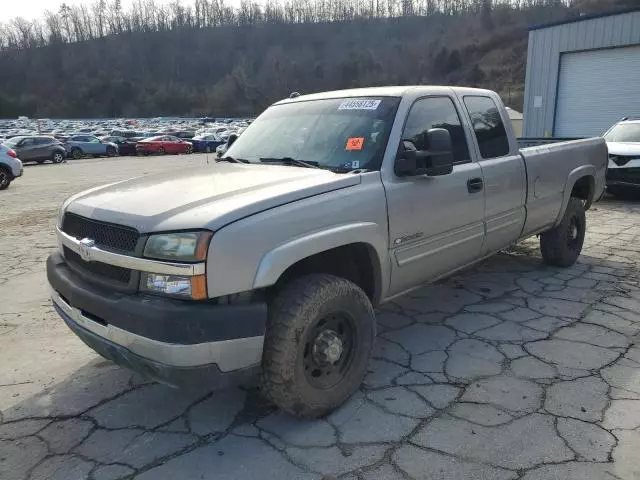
<point>10,166</point>
<point>623,142</point>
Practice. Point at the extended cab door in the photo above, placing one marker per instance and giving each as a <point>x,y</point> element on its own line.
<point>503,170</point>
<point>436,223</point>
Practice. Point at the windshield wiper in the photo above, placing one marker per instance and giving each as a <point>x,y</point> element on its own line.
<point>349,170</point>
<point>232,160</point>
<point>290,161</point>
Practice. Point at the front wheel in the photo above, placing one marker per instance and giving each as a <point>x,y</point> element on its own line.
<point>111,152</point>
<point>161,151</point>
<point>561,246</point>
<point>319,338</point>
<point>76,153</point>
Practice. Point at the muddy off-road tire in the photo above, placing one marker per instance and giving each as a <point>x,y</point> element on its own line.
<point>320,334</point>
<point>561,246</point>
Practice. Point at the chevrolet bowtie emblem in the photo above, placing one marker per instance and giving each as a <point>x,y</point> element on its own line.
<point>84,248</point>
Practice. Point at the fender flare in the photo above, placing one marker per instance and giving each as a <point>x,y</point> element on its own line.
<point>575,175</point>
<point>275,262</point>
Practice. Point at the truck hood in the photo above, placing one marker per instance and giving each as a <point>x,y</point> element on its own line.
<point>207,197</point>
<point>624,148</point>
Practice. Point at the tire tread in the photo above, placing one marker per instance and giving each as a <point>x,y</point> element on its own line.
<point>285,311</point>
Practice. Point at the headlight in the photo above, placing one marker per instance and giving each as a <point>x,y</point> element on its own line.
<point>182,247</point>
<point>194,288</point>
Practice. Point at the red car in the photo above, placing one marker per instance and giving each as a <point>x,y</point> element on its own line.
<point>163,144</point>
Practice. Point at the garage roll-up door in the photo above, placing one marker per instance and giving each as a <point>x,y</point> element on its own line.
<point>596,88</point>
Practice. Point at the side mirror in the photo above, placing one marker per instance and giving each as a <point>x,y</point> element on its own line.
<point>438,160</point>
<point>232,138</point>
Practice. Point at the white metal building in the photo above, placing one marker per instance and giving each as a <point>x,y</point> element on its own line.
<point>583,75</point>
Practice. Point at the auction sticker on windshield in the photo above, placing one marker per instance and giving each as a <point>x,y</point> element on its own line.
<point>354,143</point>
<point>359,104</point>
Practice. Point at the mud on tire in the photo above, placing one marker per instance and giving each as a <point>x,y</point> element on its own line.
<point>305,371</point>
<point>561,246</point>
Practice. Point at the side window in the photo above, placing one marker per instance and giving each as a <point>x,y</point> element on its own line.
<point>488,127</point>
<point>28,142</point>
<point>436,112</point>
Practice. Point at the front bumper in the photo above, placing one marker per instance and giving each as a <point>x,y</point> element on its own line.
<point>171,341</point>
<point>628,177</point>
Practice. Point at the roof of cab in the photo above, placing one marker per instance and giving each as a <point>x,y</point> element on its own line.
<point>391,91</point>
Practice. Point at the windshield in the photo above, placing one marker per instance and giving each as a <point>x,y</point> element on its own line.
<point>340,133</point>
<point>624,132</point>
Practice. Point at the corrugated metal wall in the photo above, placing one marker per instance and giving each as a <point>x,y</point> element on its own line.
<point>543,61</point>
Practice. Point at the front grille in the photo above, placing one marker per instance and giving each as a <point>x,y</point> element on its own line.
<point>621,160</point>
<point>109,272</point>
<point>105,234</point>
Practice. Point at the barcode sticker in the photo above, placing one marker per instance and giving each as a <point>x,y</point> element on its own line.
<point>359,104</point>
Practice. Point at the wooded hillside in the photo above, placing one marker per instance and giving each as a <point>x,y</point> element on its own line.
<point>209,59</point>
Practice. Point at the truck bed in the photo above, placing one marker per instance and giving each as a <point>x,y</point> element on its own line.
<point>551,169</point>
<point>524,142</point>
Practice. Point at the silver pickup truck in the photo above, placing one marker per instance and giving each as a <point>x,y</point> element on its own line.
<point>269,263</point>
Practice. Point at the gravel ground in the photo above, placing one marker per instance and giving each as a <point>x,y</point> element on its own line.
<point>512,370</point>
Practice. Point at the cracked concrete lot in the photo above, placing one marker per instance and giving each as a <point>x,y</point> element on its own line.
<point>512,370</point>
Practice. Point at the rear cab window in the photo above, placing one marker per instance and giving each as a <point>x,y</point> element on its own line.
<point>488,126</point>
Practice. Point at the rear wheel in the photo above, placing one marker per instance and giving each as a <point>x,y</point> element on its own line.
<point>161,151</point>
<point>189,149</point>
<point>57,157</point>
<point>207,149</point>
<point>319,338</point>
<point>111,152</point>
<point>561,246</point>
<point>5,178</point>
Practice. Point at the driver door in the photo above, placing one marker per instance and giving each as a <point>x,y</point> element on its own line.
<point>436,223</point>
<point>26,149</point>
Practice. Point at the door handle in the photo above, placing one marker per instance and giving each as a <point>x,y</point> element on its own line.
<point>475,185</point>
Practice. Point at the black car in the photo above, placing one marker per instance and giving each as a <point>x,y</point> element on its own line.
<point>126,146</point>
